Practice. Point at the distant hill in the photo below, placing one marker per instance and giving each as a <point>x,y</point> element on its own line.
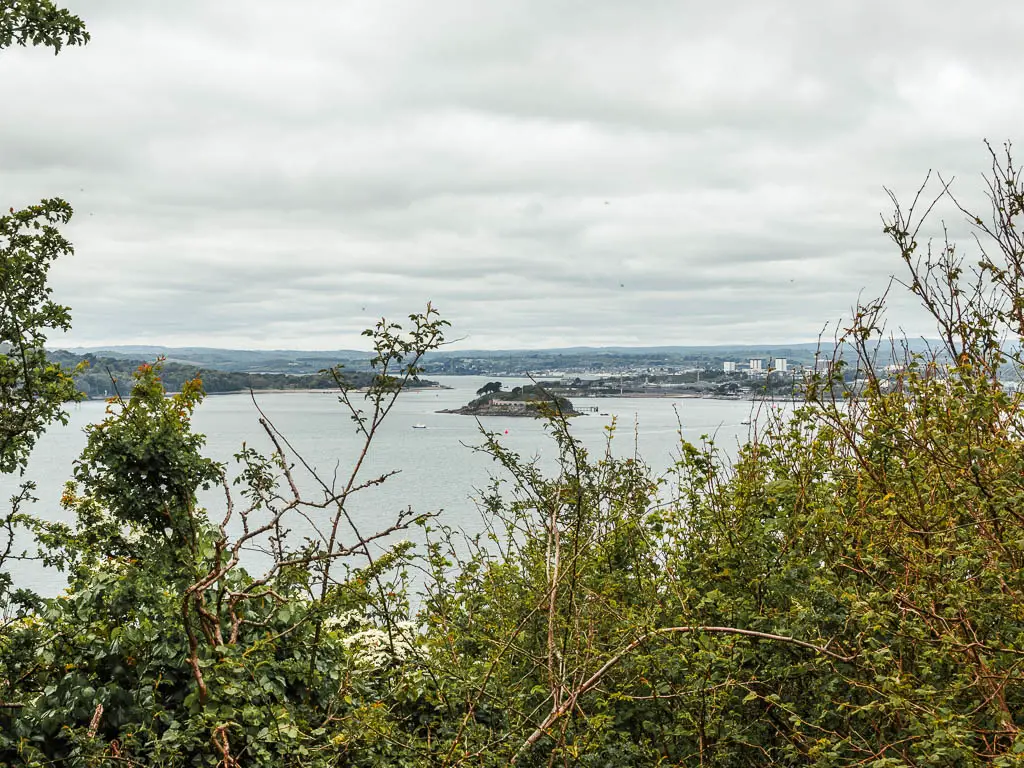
<point>106,376</point>
<point>802,348</point>
<point>234,360</point>
<point>479,362</point>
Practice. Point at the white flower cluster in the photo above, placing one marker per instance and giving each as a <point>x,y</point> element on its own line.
<point>131,534</point>
<point>373,647</point>
<point>346,620</point>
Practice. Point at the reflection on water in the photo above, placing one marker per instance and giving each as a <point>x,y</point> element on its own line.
<point>439,470</point>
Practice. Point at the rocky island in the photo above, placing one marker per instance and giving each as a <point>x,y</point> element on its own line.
<point>532,400</point>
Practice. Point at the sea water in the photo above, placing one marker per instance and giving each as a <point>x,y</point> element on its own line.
<point>439,468</point>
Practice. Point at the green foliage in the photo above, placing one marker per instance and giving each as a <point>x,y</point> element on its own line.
<point>39,22</point>
<point>143,465</point>
<point>32,390</point>
<point>848,592</point>
<point>164,650</point>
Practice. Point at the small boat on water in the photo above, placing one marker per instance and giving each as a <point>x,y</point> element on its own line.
<point>745,423</point>
<point>419,426</point>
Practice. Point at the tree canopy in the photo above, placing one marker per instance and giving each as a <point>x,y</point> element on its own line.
<point>32,389</point>
<point>491,387</point>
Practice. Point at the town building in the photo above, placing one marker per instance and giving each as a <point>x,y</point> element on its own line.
<point>512,406</point>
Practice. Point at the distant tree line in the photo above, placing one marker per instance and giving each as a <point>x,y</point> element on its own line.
<point>108,376</point>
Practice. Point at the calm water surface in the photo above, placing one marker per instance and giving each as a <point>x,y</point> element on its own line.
<point>440,471</point>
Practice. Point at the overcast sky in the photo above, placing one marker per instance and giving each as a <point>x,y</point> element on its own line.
<point>265,175</point>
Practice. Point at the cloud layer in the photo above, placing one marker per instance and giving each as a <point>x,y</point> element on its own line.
<point>252,174</point>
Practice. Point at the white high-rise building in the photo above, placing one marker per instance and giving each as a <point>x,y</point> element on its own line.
<point>780,364</point>
<point>728,367</point>
<point>756,364</point>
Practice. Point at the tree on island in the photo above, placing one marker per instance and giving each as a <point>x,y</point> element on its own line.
<point>489,387</point>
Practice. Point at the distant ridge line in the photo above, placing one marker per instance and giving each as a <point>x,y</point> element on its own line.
<point>177,352</point>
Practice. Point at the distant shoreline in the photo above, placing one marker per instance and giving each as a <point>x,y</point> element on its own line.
<point>754,397</point>
<point>307,391</point>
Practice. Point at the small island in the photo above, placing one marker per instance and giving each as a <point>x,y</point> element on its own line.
<point>532,400</point>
